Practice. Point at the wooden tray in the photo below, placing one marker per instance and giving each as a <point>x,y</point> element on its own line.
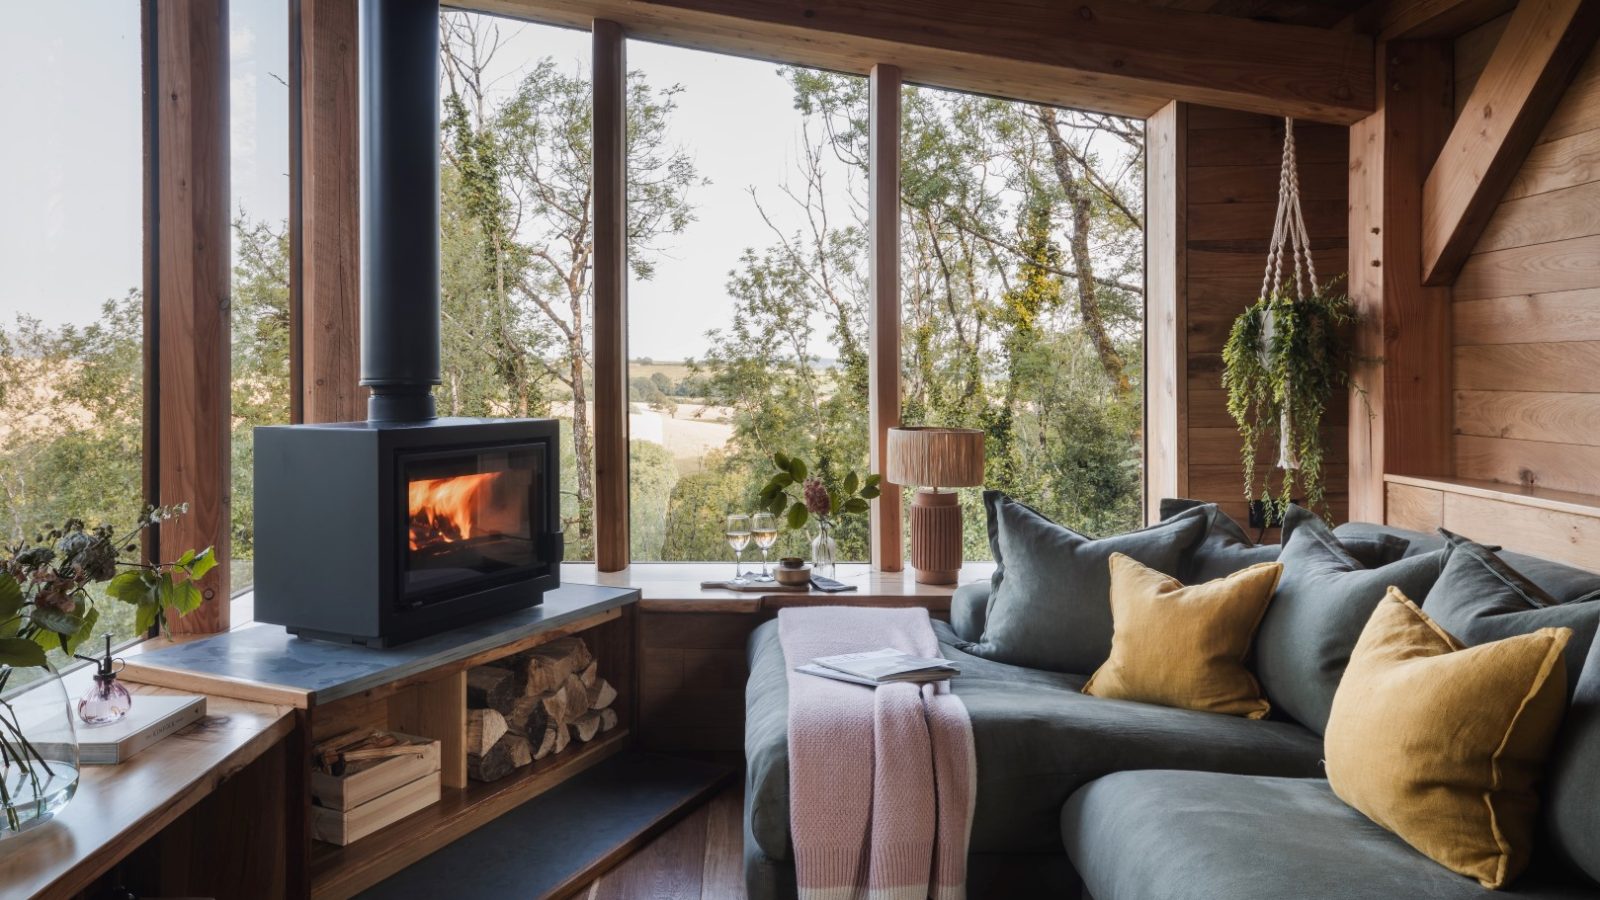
<point>764,587</point>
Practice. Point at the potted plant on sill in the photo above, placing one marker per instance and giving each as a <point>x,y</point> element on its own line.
<point>1286,356</point>
<point>45,605</point>
<point>816,499</point>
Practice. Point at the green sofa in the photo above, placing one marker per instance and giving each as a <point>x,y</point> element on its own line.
<point>1129,801</point>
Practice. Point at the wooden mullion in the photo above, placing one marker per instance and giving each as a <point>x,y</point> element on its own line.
<point>883,355</point>
<point>325,274</point>
<point>1166,400</point>
<point>611,544</point>
<point>1400,416</point>
<point>192,290</point>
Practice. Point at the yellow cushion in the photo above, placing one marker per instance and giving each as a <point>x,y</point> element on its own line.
<point>1185,646</point>
<point>1442,745</point>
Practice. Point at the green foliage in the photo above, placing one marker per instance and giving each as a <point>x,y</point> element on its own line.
<point>797,496</point>
<point>1284,360</point>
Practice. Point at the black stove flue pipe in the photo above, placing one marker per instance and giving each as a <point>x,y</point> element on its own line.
<point>399,56</point>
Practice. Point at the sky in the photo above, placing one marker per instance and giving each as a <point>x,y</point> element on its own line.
<point>70,205</point>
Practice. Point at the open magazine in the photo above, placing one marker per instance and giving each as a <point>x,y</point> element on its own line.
<point>875,667</point>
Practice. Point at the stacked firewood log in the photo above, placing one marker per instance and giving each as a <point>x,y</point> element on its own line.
<point>534,704</point>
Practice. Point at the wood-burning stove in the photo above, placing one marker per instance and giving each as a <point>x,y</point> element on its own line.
<point>382,531</point>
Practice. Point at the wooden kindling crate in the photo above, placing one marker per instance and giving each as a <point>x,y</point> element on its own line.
<point>369,794</point>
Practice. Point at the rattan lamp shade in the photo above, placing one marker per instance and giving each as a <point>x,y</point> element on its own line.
<point>935,457</point>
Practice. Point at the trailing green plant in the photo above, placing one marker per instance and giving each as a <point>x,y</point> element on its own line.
<point>1284,360</point>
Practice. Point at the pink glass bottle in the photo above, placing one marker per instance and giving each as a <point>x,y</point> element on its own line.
<point>106,700</point>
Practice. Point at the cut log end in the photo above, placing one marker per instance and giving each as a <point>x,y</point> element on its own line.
<point>601,694</point>
<point>485,727</point>
<point>491,687</point>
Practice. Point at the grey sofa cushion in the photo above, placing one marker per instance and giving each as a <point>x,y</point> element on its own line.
<point>1572,794</point>
<point>1203,836</point>
<point>1481,598</point>
<point>1226,548</point>
<point>1324,600</point>
<point>1050,607</point>
<point>1037,739</point>
<point>969,606</point>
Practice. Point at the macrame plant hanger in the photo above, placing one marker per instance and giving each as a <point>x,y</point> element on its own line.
<point>1288,234</point>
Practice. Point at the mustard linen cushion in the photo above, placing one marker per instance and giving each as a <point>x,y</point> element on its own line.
<point>1443,745</point>
<point>1185,646</point>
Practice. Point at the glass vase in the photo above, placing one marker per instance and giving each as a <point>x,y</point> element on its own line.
<point>824,552</point>
<point>38,754</point>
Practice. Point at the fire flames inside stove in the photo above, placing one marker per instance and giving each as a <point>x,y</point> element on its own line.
<point>469,515</point>
<point>445,510</point>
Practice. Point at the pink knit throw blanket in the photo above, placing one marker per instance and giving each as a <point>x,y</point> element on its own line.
<point>881,781</point>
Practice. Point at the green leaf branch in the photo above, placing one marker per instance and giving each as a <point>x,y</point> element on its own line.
<point>798,496</point>
<point>45,603</point>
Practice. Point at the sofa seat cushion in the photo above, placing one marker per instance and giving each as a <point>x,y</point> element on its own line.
<point>1171,835</point>
<point>1038,738</point>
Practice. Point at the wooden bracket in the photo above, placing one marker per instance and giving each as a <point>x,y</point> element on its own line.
<point>1543,44</point>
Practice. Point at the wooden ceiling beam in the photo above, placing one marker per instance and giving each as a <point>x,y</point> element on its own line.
<point>1394,20</point>
<point>1543,44</point>
<point>1101,55</point>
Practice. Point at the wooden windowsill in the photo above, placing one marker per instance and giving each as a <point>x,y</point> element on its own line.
<point>675,587</point>
<point>117,808</point>
<point>1568,502</point>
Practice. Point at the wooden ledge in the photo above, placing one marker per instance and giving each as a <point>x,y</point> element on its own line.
<point>1568,502</point>
<point>1558,525</point>
<point>675,587</point>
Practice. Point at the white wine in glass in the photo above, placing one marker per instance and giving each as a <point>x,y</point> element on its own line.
<point>764,527</point>
<point>738,534</point>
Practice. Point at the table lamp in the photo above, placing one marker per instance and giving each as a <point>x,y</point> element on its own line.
<point>934,458</point>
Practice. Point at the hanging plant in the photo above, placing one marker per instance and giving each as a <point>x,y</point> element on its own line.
<point>1285,358</point>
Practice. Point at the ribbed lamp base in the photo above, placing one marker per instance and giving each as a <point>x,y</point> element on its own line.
<point>935,537</point>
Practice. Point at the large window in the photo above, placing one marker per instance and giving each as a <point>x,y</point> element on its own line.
<point>258,46</point>
<point>71,239</point>
<point>517,231</point>
<point>747,305</point>
<point>1022,285</point>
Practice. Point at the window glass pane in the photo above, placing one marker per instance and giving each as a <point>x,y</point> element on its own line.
<point>258,49</point>
<point>71,245</point>
<point>1022,299</point>
<point>517,234</point>
<point>747,302</point>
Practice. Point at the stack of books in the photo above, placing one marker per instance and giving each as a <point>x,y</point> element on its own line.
<point>876,667</point>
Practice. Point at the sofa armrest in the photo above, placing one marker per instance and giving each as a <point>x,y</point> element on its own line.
<point>969,609</point>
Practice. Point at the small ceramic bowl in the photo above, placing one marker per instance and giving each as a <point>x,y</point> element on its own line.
<point>793,577</point>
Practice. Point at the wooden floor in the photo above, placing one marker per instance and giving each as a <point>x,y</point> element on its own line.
<point>699,858</point>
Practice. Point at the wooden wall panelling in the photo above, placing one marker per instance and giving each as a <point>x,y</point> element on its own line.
<point>437,709</point>
<point>325,273</point>
<point>230,844</point>
<point>1224,204</point>
<point>1543,43</point>
<point>1527,314</point>
<point>883,353</point>
<point>692,674</point>
<point>1400,417</point>
<point>192,290</point>
<point>1417,508</point>
<point>612,549</point>
<point>1166,400</point>
<point>1528,318</point>
<point>1563,537</point>
<point>1101,55</point>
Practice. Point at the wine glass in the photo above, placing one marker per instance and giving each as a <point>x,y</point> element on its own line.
<point>738,534</point>
<point>764,527</point>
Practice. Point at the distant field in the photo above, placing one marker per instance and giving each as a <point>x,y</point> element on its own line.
<point>677,371</point>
